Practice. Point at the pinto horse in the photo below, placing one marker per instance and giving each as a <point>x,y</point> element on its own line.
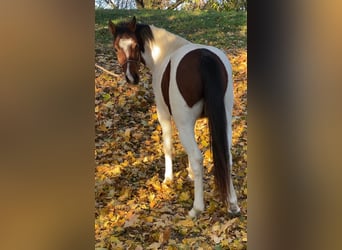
<point>189,81</point>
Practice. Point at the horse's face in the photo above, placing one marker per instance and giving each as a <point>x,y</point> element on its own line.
<point>127,49</point>
<point>128,54</point>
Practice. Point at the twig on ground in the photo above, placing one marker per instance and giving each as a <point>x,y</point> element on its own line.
<point>107,71</point>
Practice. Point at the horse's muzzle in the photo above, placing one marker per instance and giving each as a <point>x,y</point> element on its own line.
<point>135,79</point>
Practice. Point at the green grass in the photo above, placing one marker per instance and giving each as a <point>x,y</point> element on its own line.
<point>221,29</point>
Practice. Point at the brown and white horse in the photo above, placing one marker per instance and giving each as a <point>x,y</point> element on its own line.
<point>189,81</point>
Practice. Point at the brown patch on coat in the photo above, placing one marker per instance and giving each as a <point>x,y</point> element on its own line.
<point>189,75</point>
<point>165,84</point>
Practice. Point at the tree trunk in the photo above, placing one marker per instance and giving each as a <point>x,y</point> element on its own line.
<point>140,4</point>
<point>111,3</point>
<point>176,4</point>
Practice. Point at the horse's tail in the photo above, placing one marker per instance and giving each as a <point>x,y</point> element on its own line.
<point>215,84</point>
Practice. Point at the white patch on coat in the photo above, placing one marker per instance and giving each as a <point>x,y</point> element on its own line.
<point>155,52</point>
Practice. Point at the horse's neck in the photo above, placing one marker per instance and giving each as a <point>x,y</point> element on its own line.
<point>163,45</point>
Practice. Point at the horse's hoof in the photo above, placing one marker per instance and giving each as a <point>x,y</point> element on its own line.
<point>167,180</point>
<point>193,213</point>
<point>234,210</point>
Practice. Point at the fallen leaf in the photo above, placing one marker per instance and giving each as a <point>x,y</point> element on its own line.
<point>133,220</point>
<point>127,134</point>
<point>154,246</point>
<point>108,123</point>
<point>186,223</point>
<point>164,236</point>
<point>184,196</point>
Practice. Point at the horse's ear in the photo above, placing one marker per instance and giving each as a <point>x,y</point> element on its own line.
<point>132,24</point>
<point>111,27</point>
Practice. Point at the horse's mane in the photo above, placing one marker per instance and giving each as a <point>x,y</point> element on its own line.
<point>144,34</point>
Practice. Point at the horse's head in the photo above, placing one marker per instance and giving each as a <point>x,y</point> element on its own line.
<point>127,48</point>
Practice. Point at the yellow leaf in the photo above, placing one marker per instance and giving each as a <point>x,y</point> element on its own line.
<point>132,220</point>
<point>114,239</point>
<point>225,243</point>
<point>122,101</point>
<point>179,184</point>
<point>207,154</point>
<point>204,143</point>
<point>212,206</point>
<point>109,104</point>
<point>151,197</point>
<point>184,196</point>
<point>125,194</point>
<point>216,227</point>
<point>127,134</point>
<point>137,135</point>
<point>156,138</point>
<point>148,219</point>
<point>156,185</point>
<point>102,128</point>
<point>186,223</point>
<point>154,245</point>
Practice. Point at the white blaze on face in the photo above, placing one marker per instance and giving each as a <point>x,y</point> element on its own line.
<point>125,44</point>
<point>128,74</point>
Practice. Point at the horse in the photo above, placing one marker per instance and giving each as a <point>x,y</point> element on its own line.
<point>189,81</point>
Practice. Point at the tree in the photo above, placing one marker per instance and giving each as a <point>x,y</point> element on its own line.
<point>140,4</point>
<point>173,4</point>
<point>111,3</point>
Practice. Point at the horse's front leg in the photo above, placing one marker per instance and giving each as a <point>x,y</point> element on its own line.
<point>165,122</point>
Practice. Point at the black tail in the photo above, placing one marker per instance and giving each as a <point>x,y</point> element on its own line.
<point>214,77</point>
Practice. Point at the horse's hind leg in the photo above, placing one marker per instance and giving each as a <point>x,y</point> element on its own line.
<point>165,123</point>
<point>234,208</point>
<point>187,137</point>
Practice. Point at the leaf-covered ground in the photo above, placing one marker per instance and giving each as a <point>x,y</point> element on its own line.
<point>133,209</point>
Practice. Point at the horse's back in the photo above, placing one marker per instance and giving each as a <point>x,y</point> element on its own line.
<point>182,51</point>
